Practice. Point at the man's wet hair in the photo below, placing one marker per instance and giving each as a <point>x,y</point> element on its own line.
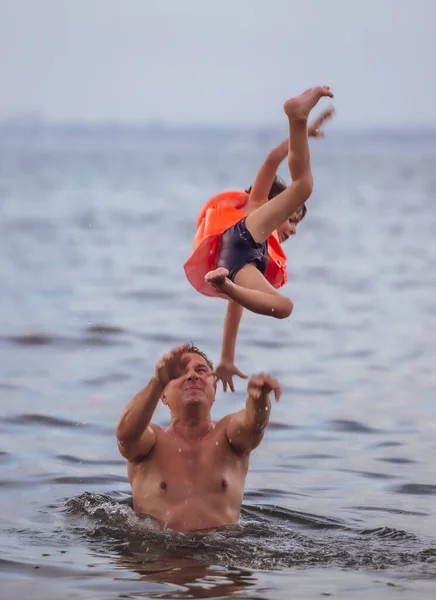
<point>277,187</point>
<point>192,349</point>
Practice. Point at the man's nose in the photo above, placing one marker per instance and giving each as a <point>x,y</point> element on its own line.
<point>292,229</point>
<point>192,375</point>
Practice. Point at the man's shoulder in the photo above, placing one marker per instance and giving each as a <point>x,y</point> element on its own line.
<point>158,430</point>
<point>224,421</point>
<point>222,426</point>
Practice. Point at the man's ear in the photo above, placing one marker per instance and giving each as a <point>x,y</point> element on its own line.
<point>164,399</point>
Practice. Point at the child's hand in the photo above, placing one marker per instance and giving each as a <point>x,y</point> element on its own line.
<point>314,129</point>
<point>225,372</point>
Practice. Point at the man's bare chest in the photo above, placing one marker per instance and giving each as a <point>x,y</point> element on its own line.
<point>207,464</point>
<point>197,457</point>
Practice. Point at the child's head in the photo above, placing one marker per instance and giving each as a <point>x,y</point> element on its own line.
<point>278,186</point>
<point>289,227</point>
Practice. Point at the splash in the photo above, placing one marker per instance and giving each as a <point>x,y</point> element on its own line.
<point>268,537</point>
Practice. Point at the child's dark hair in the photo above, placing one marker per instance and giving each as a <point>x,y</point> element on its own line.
<point>277,187</point>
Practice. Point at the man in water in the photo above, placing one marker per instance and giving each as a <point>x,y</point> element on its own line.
<point>191,475</point>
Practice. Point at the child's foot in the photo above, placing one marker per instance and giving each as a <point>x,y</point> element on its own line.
<point>217,279</point>
<point>298,108</point>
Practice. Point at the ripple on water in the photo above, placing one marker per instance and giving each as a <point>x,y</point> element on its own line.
<point>269,344</point>
<point>77,460</point>
<point>148,294</point>
<point>389,444</point>
<point>350,426</point>
<point>33,339</point>
<point>420,489</point>
<point>311,392</point>
<point>42,420</point>
<point>105,329</point>
<point>388,532</point>
<point>275,426</point>
<point>267,493</point>
<point>43,339</point>
<point>9,386</point>
<point>29,483</point>
<point>369,474</point>
<point>397,461</point>
<point>316,457</point>
<point>163,338</point>
<point>109,378</point>
<point>394,511</point>
<point>36,420</point>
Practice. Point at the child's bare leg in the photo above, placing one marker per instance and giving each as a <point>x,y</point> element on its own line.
<point>263,221</point>
<point>252,291</point>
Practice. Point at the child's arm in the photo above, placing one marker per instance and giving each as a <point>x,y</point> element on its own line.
<point>314,129</point>
<point>265,176</point>
<point>226,369</point>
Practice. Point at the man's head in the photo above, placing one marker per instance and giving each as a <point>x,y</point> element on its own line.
<point>195,388</point>
<point>289,227</point>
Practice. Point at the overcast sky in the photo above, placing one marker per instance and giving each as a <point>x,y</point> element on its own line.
<point>218,61</point>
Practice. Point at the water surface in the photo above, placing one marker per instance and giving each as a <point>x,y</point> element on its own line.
<point>340,495</point>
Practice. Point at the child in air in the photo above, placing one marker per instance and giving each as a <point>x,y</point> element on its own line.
<point>237,252</point>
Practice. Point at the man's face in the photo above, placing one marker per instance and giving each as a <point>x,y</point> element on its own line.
<point>196,385</point>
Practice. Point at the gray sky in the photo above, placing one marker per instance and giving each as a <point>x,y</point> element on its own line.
<point>218,62</point>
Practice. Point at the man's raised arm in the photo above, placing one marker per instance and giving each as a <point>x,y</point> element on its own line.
<point>135,435</point>
<point>246,428</point>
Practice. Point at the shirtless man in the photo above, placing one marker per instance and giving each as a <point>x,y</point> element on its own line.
<point>191,475</point>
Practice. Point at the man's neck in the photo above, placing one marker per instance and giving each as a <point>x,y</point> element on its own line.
<point>190,429</point>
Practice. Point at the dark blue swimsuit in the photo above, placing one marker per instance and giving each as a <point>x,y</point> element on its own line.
<point>237,249</point>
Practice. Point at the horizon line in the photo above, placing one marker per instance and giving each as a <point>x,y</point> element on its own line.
<point>36,122</point>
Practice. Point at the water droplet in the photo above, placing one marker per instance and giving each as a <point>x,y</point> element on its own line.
<point>180,449</point>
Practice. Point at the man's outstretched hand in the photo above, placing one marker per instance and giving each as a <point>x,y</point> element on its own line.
<point>171,365</point>
<point>262,385</point>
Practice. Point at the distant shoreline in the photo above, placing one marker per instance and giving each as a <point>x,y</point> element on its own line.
<point>37,127</point>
